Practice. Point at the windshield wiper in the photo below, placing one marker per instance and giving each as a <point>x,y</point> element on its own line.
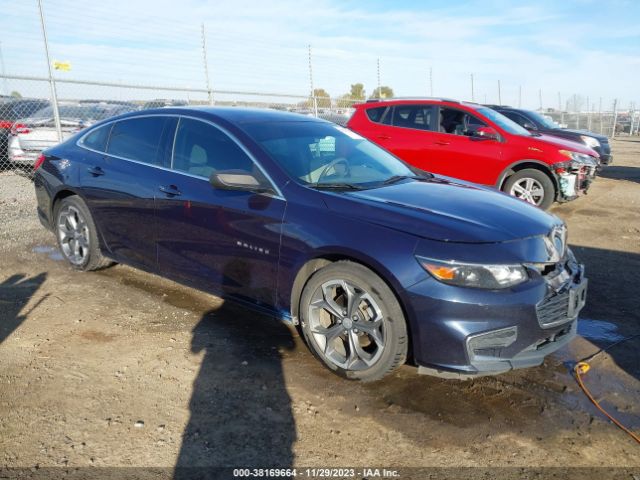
<point>335,186</point>
<point>397,178</point>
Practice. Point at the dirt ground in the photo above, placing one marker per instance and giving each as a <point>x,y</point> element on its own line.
<point>122,368</point>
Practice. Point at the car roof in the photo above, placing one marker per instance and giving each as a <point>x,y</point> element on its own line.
<point>236,115</point>
<point>371,103</point>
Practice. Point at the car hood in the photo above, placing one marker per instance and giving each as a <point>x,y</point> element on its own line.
<point>445,209</point>
<point>544,141</point>
<point>599,137</point>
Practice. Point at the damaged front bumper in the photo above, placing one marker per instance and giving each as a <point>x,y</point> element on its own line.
<point>575,178</point>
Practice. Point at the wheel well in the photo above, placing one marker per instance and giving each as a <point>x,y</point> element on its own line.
<point>59,196</point>
<point>315,264</point>
<point>523,165</point>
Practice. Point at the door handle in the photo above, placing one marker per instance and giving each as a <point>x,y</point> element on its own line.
<point>170,190</point>
<point>383,137</point>
<point>95,171</point>
<point>442,142</point>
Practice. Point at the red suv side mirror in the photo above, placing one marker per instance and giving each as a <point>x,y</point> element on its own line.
<point>486,133</point>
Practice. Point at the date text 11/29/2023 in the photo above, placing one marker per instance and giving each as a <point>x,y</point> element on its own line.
<point>315,473</point>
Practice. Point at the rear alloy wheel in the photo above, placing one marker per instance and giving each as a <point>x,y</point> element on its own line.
<point>352,322</point>
<point>532,186</point>
<point>77,236</point>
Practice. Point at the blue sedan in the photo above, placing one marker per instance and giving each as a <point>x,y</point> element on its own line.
<point>377,263</point>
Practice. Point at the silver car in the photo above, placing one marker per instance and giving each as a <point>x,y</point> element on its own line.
<point>30,136</point>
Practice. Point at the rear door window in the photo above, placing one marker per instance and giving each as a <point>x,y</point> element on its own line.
<point>201,149</point>
<point>137,139</point>
<point>418,117</point>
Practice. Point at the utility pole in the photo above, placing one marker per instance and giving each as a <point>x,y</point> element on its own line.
<point>431,81</point>
<point>615,117</point>
<point>473,99</point>
<point>52,83</point>
<point>520,96</point>
<point>499,94</point>
<point>206,65</point>
<point>3,72</point>
<point>588,115</point>
<point>540,98</point>
<point>600,113</point>
<point>312,94</point>
<point>561,109</point>
<point>379,92</point>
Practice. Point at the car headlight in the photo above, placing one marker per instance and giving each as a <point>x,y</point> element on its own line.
<point>474,275</point>
<point>579,158</point>
<point>590,141</point>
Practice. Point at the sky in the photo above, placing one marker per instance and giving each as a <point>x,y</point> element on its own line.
<point>547,49</point>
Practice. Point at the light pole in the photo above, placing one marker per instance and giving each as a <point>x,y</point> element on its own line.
<point>52,83</point>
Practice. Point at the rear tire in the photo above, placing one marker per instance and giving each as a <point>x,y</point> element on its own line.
<point>77,235</point>
<point>352,322</point>
<point>533,186</point>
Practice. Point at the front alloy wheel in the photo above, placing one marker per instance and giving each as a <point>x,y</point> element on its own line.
<point>533,186</point>
<point>352,321</point>
<point>529,190</point>
<point>347,325</point>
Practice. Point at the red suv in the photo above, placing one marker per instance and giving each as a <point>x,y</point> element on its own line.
<point>478,144</point>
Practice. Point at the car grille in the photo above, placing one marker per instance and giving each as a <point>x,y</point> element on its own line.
<point>553,309</point>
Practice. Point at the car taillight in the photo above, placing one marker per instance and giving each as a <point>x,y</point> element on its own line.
<point>19,128</point>
<point>39,161</point>
<point>5,124</point>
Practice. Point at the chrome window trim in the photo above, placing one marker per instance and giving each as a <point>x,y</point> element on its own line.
<point>80,144</point>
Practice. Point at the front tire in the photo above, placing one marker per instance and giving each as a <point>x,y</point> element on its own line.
<point>77,235</point>
<point>353,322</point>
<point>532,186</point>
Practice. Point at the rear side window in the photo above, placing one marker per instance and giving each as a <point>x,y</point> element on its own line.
<point>201,149</point>
<point>97,139</point>
<point>137,139</point>
<point>414,116</point>
<point>376,114</point>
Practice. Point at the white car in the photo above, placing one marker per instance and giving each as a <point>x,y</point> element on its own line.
<point>30,136</point>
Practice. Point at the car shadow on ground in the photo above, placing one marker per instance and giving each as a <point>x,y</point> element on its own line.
<point>631,174</point>
<point>240,411</point>
<point>15,293</point>
<point>612,312</point>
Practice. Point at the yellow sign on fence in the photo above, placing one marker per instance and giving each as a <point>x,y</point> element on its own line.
<point>64,66</point>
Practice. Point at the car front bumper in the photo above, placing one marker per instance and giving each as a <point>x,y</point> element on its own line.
<point>465,332</point>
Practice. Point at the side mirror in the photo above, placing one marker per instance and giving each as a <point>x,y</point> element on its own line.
<point>486,133</point>
<point>529,126</point>
<point>237,180</point>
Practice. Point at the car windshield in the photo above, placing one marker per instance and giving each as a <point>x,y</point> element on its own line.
<point>503,122</point>
<point>542,119</point>
<point>327,155</point>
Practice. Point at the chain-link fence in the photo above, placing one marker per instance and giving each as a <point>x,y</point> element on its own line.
<point>28,124</point>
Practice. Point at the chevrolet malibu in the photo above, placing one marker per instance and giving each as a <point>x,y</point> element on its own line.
<point>377,263</point>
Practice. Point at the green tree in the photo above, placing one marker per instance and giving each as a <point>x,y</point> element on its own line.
<point>357,91</point>
<point>16,94</point>
<point>382,92</point>
<point>322,97</point>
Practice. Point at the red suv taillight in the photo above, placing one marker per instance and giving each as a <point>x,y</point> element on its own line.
<point>19,128</point>
<point>39,161</point>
